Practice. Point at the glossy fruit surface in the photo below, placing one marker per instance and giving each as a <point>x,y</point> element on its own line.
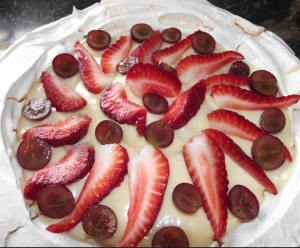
<point>264,83</point>
<point>159,134</point>
<point>65,65</point>
<point>124,65</point>
<point>37,109</point>
<point>155,103</point>
<point>98,40</point>
<point>141,32</point>
<point>170,236</point>
<point>239,68</point>
<point>166,67</point>
<point>108,132</point>
<point>272,120</point>
<point>171,35</point>
<point>203,43</point>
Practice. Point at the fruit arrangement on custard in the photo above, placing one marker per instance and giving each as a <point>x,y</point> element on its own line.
<point>150,77</point>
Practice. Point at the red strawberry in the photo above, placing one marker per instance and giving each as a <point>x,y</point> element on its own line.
<point>114,54</point>
<point>171,54</point>
<point>108,171</point>
<point>145,51</point>
<point>205,162</point>
<point>72,167</point>
<point>148,178</point>
<point>227,79</point>
<point>196,67</point>
<point>67,132</point>
<point>233,151</point>
<point>186,106</point>
<point>94,79</point>
<point>115,105</point>
<point>62,97</point>
<point>146,78</point>
<point>234,97</point>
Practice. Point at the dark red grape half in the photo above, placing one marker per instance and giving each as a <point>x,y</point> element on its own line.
<point>141,32</point>
<point>170,236</point>
<point>56,201</point>
<point>203,43</point>
<point>37,109</point>
<point>272,120</point>
<point>239,68</point>
<point>243,203</point>
<point>264,83</point>
<point>124,66</point>
<point>166,67</point>
<point>65,65</point>
<point>108,132</point>
<point>159,134</point>
<point>171,35</point>
<point>33,153</point>
<point>98,40</point>
<point>100,221</point>
<point>155,103</point>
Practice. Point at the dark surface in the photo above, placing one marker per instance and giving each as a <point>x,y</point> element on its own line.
<point>282,17</point>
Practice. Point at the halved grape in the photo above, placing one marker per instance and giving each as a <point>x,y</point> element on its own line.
<point>166,67</point>
<point>108,132</point>
<point>99,221</point>
<point>272,120</point>
<point>239,68</point>
<point>170,236</point>
<point>124,66</point>
<point>243,203</point>
<point>187,198</point>
<point>203,43</point>
<point>33,153</point>
<point>98,40</point>
<point>141,32</point>
<point>65,65</point>
<point>159,134</point>
<point>37,109</point>
<point>56,201</point>
<point>268,152</point>
<point>171,35</point>
<point>264,83</point>
<point>155,103</point>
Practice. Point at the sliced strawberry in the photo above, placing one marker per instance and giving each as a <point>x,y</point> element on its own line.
<point>62,133</point>
<point>205,162</point>
<point>72,167</point>
<point>94,79</point>
<point>227,79</point>
<point>115,105</point>
<point>196,67</point>
<point>145,51</point>
<point>171,54</point>
<point>115,53</point>
<point>62,97</point>
<point>233,151</point>
<point>108,171</point>
<point>146,78</point>
<point>234,97</point>
<point>186,106</point>
<point>148,178</point>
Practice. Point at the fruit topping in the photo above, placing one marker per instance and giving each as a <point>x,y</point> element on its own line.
<point>146,78</point>
<point>94,79</point>
<point>115,105</point>
<point>159,134</point>
<point>33,153</point>
<point>37,109</point>
<point>115,53</point>
<point>243,203</point>
<point>141,32</point>
<point>166,67</point>
<point>203,43</point>
<point>100,222</point>
<point>70,168</point>
<point>264,83</point>
<point>108,132</point>
<point>108,171</point>
<point>226,79</point>
<point>171,35</point>
<point>56,201</point>
<point>170,236</point>
<point>148,177</point>
<point>124,65</point>
<point>155,104</point>
<point>239,68</point>
<point>98,40</point>
<point>186,106</point>
<point>272,120</point>
<point>65,65</point>
<point>268,152</point>
<point>62,97</point>
<point>187,198</point>
<point>67,132</point>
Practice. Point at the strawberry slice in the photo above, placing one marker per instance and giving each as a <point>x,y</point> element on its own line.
<point>186,106</point>
<point>196,67</point>
<point>234,97</point>
<point>145,51</point>
<point>94,79</point>
<point>233,151</point>
<point>205,162</point>
<point>171,54</point>
<point>72,167</point>
<point>148,178</point>
<point>62,133</point>
<point>146,78</point>
<point>115,105</point>
<point>232,123</point>
<point>62,97</point>
<point>108,171</point>
<point>228,79</point>
<point>115,53</point>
